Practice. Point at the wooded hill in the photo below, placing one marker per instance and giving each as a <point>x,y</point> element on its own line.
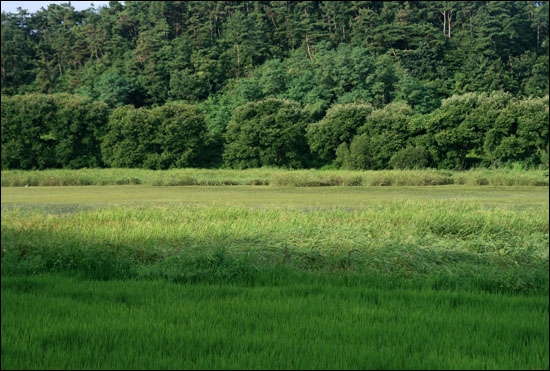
<point>281,83</point>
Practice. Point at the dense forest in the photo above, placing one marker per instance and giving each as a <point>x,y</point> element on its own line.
<point>356,84</point>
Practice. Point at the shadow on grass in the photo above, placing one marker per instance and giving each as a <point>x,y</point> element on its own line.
<point>252,261</point>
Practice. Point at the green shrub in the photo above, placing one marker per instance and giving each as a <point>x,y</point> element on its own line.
<point>452,136</point>
<point>387,132</point>
<point>343,158</point>
<point>42,131</point>
<point>361,152</point>
<point>182,135</point>
<point>519,133</point>
<point>163,137</point>
<point>410,158</point>
<point>270,132</point>
<point>338,126</point>
<point>131,138</point>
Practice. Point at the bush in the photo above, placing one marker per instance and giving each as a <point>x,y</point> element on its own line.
<point>520,133</point>
<point>359,155</point>
<point>182,135</point>
<point>163,137</point>
<point>131,138</point>
<point>384,133</point>
<point>270,132</point>
<point>410,158</point>
<point>42,131</point>
<point>452,135</point>
<point>338,126</point>
<point>343,157</point>
<point>361,152</point>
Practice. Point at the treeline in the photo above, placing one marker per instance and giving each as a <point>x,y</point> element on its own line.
<point>367,65</point>
<point>42,131</point>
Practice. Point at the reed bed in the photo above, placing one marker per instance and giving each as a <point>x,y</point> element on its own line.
<point>273,177</point>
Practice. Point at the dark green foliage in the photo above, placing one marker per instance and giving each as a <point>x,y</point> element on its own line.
<point>168,136</point>
<point>270,132</point>
<point>171,50</point>
<point>496,128</point>
<point>519,133</point>
<point>47,131</point>
<point>452,135</point>
<point>191,50</point>
<point>25,140</point>
<point>410,158</point>
<point>423,97</point>
<point>383,134</point>
<point>78,126</point>
<point>131,137</point>
<point>114,90</point>
<point>18,53</point>
<point>222,55</point>
<point>361,152</point>
<point>338,126</point>
<point>182,135</point>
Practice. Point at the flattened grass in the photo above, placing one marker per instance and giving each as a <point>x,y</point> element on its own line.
<point>265,197</point>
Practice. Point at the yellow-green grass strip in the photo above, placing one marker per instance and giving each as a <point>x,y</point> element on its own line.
<point>273,177</point>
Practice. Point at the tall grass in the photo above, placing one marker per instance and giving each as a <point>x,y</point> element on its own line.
<point>460,242</point>
<point>273,177</point>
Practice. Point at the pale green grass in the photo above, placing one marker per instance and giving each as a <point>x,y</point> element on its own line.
<point>274,177</point>
<point>355,197</point>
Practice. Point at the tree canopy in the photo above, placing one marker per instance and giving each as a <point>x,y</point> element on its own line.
<point>456,83</point>
<point>353,50</point>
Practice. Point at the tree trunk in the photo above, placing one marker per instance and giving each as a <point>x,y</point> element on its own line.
<point>270,15</point>
<point>308,51</point>
<point>538,34</point>
<point>59,65</point>
<point>238,62</point>
<point>450,16</point>
<point>444,12</point>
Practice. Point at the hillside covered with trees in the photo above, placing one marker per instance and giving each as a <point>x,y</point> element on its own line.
<point>357,84</point>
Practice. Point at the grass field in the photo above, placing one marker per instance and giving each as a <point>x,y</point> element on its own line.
<point>138,276</point>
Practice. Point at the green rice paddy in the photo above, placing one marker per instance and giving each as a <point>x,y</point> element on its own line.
<point>58,322</point>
